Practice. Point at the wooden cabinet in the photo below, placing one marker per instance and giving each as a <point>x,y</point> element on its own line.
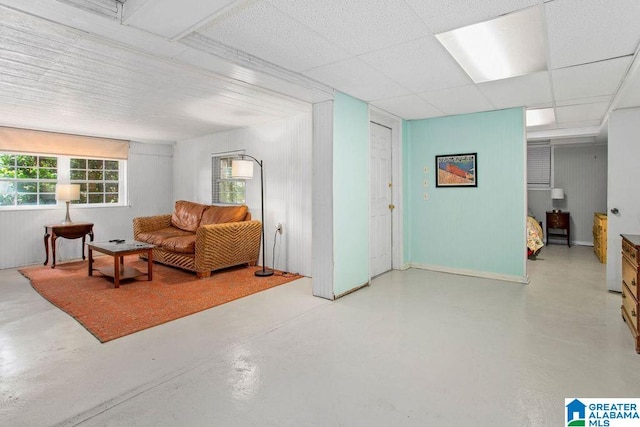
<point>600,236</point>
<point>559,221</point>
<point>630,279</point>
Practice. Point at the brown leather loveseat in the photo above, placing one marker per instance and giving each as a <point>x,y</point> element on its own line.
<point>201,238</point>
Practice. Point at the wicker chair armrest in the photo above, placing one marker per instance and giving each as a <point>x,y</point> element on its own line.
<point>145,224</point>
<point>220,245</point>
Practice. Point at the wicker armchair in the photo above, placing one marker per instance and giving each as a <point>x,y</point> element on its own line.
<point>216,245</point>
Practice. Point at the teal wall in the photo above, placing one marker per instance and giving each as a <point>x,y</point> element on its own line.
<point>473,229</point>
<point>350,193</point>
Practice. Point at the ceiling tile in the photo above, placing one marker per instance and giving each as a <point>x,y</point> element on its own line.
<point>421,65</point>
<point>410,107</point>
<point>447,15</point>
<point>358,26</point>
<point>164,18</point>
<point>589,80</point>
<point>458,100</point>
<point>533,90</point>
<point>591,30</point>
<point>581,112</point>
<point>356,78</point>
<point>583,124</point>
<point>587,100</point>
<point>262,30</point>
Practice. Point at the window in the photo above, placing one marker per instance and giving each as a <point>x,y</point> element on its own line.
<point>225,189</point>
<point>30,180</point>
<point>99,180</point>
<point>539,166</point>
<point>27,179</point>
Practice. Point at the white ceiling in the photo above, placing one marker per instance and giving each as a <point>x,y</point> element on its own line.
<point>161,70</point>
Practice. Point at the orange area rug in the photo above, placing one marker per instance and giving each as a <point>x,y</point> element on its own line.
<point>138,304</point>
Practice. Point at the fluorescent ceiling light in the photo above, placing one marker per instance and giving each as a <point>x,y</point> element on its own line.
<point>508,46</point>
<point>540,117</point>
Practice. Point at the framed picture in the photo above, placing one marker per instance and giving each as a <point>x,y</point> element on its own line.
<point>457,170</point>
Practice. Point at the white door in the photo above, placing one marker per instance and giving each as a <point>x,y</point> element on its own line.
<point>622,189</point>
<point>381,200</point>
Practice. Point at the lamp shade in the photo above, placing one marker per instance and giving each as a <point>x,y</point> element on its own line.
<point>242,169</point>
<point>557,193</point>
<point>67,192</point>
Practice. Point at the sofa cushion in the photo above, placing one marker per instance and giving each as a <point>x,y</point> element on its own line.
<point>187,215</point>
<point>223,214</point>
<point>180,244</point>
<point>158,237</point>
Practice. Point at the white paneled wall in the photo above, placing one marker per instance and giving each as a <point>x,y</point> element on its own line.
<point>149,177</point>
<point>284,146</point>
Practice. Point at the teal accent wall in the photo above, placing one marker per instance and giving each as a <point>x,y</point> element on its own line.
<point>350,193</point>
<point>474,229</point>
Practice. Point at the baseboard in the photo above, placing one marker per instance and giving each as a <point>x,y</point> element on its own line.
<point>473,273</point>
<point>573,243</point>
<point>350,291</point>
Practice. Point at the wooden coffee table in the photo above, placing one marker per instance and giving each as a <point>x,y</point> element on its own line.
<point>118,250</point>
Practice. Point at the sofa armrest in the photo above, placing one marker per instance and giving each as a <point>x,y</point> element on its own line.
<point>146,224</point>
<point>227,244</point>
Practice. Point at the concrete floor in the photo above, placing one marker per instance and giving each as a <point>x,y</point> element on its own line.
<point>415,348</point>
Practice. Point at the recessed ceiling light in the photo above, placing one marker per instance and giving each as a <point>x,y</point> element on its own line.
<point>540,117</point>
<point>508,46</point>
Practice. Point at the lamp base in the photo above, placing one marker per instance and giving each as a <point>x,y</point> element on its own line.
<point>264,273</point>
<point>67,219</point>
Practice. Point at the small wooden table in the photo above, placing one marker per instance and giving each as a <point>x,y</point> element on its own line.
<point>559,221</point>
<point>74,230</point>
<point>118,250</point>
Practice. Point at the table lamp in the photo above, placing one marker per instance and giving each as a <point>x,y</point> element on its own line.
<point>557,194</point>
<point>67,193</point>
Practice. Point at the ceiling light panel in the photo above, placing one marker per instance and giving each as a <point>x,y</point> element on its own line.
<point>509,46</point>
<point>540,117</point>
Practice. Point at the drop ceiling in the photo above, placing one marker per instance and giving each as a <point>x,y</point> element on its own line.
<point>160,70</point>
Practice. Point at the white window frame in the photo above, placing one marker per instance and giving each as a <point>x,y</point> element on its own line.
<point>215,194</point>
<point>63,176</point>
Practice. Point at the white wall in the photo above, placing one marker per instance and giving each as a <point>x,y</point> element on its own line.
<point>150,181</point>
<point>284,146</point>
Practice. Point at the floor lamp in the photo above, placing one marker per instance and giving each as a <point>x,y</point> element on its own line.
<point>243,169</point>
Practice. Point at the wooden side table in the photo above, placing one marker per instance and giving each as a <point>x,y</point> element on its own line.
<point>75,230</point>
<point>559,221</point>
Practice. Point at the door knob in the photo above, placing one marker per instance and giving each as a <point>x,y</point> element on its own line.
<point>392,206</point>
<point>614,211</point>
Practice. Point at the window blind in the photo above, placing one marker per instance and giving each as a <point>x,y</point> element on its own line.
<point>39,142</point>
<point>539,165</point>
